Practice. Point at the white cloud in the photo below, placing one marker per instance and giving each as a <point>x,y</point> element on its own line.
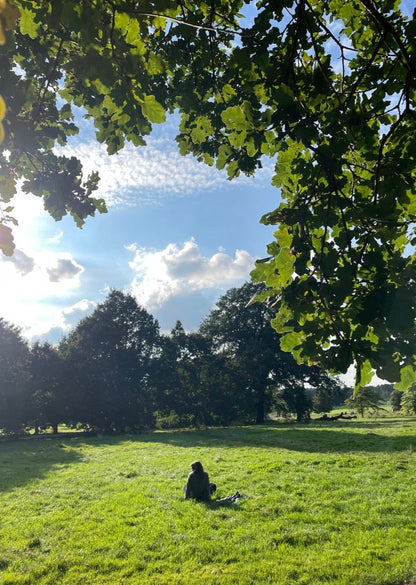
<point>32,301</point>
<point>64,320</point>
<point>21,261</point>
<point>64,269</point>
<point>148,174</point>
<point>179,270</point>
<point>36,281</point>
<point>82,306</point>
<point>56,239</point>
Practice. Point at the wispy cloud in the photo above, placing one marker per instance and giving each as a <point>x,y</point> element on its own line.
<point>178,270</point>
<point>148,174</point>
<point>56,239</point>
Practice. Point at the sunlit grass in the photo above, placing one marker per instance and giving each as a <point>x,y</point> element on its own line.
<point>324,503</point>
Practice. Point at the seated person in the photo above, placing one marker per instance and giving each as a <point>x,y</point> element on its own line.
<point>198,487</point>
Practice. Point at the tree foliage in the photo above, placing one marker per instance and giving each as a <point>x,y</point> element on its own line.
<point>408,401</point>
<point>367,398</point>
<point>396,399</point>
<point>14,379</point>
<point>110,353</point>
<point>115,373</point>
<point>326,88</point>
<point>195,386</point>
<point>47,387</point>
<point>241,332</point>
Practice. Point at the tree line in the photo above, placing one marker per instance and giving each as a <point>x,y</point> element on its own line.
<point>116,372</point>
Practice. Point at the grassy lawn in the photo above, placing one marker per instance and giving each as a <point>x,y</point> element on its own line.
<point>324,503</point>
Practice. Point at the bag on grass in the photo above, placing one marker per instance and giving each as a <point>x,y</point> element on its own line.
<point>230,499</point>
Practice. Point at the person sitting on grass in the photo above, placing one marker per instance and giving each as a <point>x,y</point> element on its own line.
<point>198,486</point>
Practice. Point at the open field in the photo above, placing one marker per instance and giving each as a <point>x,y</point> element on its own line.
<point>330,503</point>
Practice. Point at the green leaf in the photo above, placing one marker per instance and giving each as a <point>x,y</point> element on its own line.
<point>235,118</point>
<point>155,64</point>
<point>202,129</point>
<point>290,341</point>
<point>28,26</point>
<point>152,110</point>
<point>284,263</point>
<point>364,375</point>
<point>407,378</point>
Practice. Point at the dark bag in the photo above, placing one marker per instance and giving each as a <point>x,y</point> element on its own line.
<point>230,499</point>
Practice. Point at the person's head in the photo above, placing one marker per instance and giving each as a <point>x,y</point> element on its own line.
<point>197,467</point>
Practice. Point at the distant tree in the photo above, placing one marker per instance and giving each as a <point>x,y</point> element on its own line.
<point>384,391</point>
<point>341,394</point>
<point>14,379</point>
<point>195,385</point>
<point>177,379</point>
<point>396,398</point>
<point>322,401</point>
<point>302,383</point>
<point>366,398</point>
<point>48,385</point>
<point>293,400</point>
<point>409,400</point>
<point>241,332</point>
<point>329,393</point>
<point>110,356</point>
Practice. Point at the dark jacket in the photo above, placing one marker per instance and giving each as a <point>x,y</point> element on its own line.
<point>197,486</point>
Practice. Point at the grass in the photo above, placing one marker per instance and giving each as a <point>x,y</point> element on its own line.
<point>330,503</point>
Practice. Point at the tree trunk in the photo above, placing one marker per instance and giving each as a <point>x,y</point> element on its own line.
<point>260,412</point>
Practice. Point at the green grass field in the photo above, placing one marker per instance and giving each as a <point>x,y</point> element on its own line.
<point>325,503</point>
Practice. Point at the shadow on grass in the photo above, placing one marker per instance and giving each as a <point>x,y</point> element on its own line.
<point>214,505</point>
<point>23,461</point>
<point>321,437</point>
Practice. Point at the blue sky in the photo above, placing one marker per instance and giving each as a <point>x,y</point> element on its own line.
<point>177,235</point>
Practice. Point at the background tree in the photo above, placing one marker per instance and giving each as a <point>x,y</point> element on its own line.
<point>296,392</point>
<point>408,401</point>
<point>367,398</point>
<point>240,331</point>
<point>195,385</point>
<point>322,401</point>
<point>48,387</point>
<point>14,379</point>
<point>384,391</point>
<point>330,394</point>
<point>396,400</point>
<point>177,379</point>
<point>110,354</point>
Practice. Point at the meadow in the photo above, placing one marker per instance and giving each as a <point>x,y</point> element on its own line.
<point>324,503</point>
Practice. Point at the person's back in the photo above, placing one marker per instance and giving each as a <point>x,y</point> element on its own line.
<point>198,486</point>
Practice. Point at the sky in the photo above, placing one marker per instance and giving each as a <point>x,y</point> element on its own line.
<point>177,236</point>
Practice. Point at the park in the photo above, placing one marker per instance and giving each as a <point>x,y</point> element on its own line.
<point>98,428</point>
<point>322,503</point>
